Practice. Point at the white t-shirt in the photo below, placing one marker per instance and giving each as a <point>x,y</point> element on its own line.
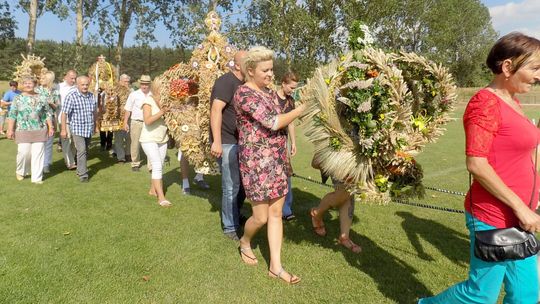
<point>64,89</point>
<point>134,104</point>
<point>157,131</point>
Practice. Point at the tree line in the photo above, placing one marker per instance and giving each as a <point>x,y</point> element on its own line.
<point>304,34</point>
<point>60,57</point>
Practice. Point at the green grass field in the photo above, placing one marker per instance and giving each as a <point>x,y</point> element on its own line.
<point>108,242</point>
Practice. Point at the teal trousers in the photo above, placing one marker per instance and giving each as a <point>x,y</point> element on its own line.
<point>520,279</point>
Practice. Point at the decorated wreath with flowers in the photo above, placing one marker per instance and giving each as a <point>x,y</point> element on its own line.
<point>370,112</point>
<point>186,89</point>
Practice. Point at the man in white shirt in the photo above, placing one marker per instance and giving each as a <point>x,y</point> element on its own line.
<point>68,149</point>
<point>134,111</point>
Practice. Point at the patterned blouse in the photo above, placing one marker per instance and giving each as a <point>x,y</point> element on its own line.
<point>30,112</point>
<point>52,96</point>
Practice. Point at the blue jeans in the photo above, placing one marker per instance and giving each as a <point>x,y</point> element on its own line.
<point>231,185</point>
<point>288,200</point>
<point>486,278</point>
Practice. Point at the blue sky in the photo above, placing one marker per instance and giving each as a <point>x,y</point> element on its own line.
<point>507,16</point>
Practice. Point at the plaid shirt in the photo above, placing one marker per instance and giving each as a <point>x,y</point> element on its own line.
<point>79,109</point>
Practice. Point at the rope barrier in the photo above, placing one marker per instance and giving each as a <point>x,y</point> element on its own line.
<point>404,202</point>
<point>445,191</point>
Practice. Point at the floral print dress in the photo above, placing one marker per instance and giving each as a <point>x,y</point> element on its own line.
<point>264,164</point>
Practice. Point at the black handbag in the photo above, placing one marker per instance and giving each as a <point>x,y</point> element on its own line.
<point>504,244</point>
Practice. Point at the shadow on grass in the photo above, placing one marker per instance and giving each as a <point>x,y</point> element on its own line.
<point>94,151</point>
<point>450,243</point>
<point>212,195</point>
<point>395,278</point>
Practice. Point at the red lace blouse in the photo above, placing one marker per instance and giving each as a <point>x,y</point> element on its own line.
<point>507,139</point>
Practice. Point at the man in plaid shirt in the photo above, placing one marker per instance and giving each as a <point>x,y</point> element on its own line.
<point>80,108</point>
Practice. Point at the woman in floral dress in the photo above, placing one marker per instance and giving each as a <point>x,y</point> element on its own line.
<point>29,123</point>
<point>263,156</point>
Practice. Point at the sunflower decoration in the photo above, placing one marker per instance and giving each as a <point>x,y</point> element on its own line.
<point>115,98</point>
<point>101,75</point>
<point>370,112</point>
<point>186,92</point>
<point>31,65</point>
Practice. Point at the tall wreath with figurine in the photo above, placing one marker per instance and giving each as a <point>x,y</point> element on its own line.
<point>186,89</point>
<point>370,112</point>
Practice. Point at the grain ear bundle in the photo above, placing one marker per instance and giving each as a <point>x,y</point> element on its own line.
<point>114,101</point>
<point>31,65</point>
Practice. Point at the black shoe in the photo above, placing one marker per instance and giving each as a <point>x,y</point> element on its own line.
<point>201,184</point>
<point>232,235</point>
<point>186,191</point>
<point>135,169</point>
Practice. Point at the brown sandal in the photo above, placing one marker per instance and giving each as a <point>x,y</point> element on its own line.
<point>293,280</point>
<point>318,225</point>
<point>347,243</point>
<point>251,261</point>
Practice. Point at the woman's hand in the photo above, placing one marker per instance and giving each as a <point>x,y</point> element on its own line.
<point>51,132</point>
<point>302,107</point>
<point>10,134</point>
<point>528,219</point>
<point>293,149</point>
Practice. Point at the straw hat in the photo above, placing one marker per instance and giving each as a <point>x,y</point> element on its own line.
<point>145,79</point>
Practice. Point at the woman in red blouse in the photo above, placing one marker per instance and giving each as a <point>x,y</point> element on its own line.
<point>500,143</point>
<point>262,155</point>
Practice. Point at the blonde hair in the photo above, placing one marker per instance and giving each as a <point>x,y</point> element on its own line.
<point>253,57</point>
<point>155,85</point>
<point>49,75</point>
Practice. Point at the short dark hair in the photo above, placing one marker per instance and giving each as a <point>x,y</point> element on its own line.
<point>514,46</point>
<point>13,83</point>
<point>289,76</point>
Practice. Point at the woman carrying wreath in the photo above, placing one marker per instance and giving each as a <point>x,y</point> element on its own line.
<point>29,123</point>
<point>53,98</point>
<point>500,143</point>
<point>339,198</point>
<point>154,140</point>
<point>263,156</point>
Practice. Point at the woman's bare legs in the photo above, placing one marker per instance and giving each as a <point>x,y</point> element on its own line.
<point>157,187</point>
<point>253,224</point>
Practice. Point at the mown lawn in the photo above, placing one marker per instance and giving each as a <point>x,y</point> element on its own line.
<point>108,242</point>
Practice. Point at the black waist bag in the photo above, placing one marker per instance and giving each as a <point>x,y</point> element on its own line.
<point>497,245</point>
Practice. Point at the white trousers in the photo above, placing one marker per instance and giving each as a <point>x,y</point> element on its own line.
<point>30,160</point>
<point>155,153</point>
<point>47,160</point>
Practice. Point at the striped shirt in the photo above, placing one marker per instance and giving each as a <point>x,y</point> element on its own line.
<point>80,109</point>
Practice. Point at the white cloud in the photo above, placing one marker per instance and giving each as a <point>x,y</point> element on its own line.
<point>521,16</point>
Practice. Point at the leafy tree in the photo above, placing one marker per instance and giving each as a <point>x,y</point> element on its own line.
<point>34,9</point>
<point>300,32</point>
<point>8,25</point>
<point>457,33</point>
<point>120,16</point>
